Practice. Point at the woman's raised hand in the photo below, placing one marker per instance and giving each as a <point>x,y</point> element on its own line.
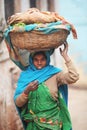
<point>64,52</point>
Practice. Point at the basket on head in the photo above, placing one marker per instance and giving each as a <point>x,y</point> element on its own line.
<point>36,41</point>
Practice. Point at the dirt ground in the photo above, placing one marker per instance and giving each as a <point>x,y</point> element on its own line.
<point>78,107</point>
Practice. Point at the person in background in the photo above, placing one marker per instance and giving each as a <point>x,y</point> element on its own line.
<point>41,93</point>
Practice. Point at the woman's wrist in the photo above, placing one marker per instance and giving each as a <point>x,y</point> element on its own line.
<point>26,92</point>
<point>66,58</point>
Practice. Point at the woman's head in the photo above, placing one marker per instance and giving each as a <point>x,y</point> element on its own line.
<point>39,59</point>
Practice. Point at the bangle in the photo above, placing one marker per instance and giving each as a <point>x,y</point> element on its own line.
<point>25,95</point>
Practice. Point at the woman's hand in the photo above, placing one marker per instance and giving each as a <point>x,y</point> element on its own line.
<point>31,87</point>
<point>64,52</point>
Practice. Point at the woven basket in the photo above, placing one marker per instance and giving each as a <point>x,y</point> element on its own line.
<point>35,41</point>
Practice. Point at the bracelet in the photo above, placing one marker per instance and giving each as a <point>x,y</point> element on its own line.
<point>25,95</point>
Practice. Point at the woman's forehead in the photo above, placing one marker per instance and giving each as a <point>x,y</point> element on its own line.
<point>39,56</point>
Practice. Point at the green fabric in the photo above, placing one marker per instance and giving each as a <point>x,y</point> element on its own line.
<point>44,112</point>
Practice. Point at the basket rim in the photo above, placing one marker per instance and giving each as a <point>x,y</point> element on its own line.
<point>40,33</point>
<point>34,41</point>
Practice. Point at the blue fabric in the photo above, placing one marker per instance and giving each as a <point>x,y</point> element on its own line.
<point>64,91</point>
<point>30,27</point>
<point>47,29</point>
<point>32,74</point>
<point>6,35</point>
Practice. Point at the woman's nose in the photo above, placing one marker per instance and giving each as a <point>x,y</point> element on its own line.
<point>39,62</point>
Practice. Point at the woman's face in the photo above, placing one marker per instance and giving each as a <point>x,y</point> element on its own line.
<point>39,61</point>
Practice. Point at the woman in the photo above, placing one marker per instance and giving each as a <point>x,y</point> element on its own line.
<point>43,107</point>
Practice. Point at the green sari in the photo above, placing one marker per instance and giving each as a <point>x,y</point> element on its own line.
<point>42,112</point>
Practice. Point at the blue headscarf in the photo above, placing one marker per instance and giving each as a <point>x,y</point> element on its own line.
<point>32,74</point>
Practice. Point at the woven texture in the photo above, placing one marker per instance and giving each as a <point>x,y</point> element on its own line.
<point>37,30</point>
<point>35,41</point>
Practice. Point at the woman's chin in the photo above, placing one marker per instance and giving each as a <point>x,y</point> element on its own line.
<point>39,68</point>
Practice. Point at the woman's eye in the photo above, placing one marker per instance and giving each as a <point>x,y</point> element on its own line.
<point>43,59</point>
<point>36,60</point>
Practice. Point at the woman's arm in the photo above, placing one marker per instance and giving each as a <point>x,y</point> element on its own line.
<point>23,98</point>
<point>71,76</point>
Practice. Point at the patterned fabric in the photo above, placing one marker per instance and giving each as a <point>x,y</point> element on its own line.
<point>44,113</point>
